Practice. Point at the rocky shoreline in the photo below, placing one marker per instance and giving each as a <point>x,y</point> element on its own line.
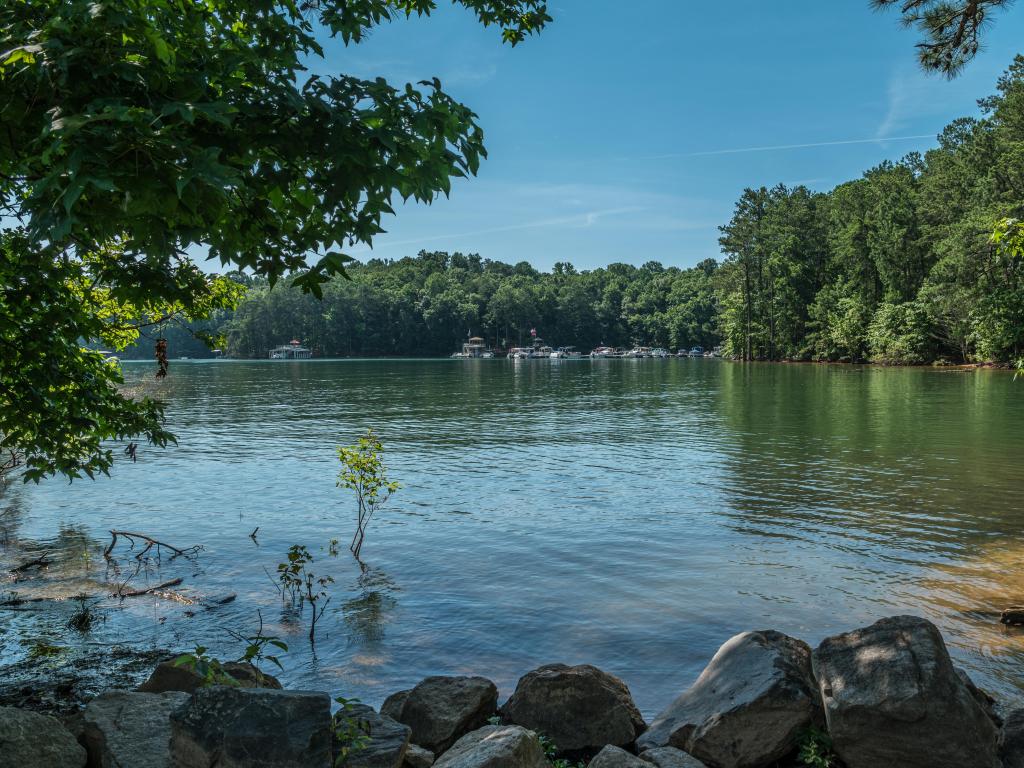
<point>879,696</point>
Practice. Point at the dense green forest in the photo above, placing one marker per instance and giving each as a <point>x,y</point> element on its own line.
<point>897,266</point>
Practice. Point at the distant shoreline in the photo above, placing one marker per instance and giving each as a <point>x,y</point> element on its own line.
<point>844,363</point>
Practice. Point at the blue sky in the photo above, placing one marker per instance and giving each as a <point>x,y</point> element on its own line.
<point>626,131</point>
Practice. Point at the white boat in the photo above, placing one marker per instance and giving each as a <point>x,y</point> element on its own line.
<point>697,351</point>
<point>638,352</point>
<point>603,352</point>
<point>475,347</point>
<point>487,355</point>
<point>566,353</point>
<point>519,353</point>
<point>541,352</point>
<point>659,352</point>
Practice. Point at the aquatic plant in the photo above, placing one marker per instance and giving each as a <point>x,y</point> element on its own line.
<point>304,586</point>
<point>363,471</point>
<point>208,668</point>
<point>82,620</point>
<point>211,669</point>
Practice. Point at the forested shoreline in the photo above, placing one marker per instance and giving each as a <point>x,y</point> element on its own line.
<point>896,267</point>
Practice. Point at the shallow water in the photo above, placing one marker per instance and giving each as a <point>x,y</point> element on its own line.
<point>632,514</point>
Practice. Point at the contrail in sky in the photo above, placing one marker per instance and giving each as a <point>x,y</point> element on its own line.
<point>777,147</point>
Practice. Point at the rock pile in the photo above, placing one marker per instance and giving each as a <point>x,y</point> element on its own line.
<point>886,695</point>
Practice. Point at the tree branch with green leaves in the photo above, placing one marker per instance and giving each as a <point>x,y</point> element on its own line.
<point>139,132</point>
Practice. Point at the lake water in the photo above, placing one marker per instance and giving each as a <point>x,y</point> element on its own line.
<point>633,514</point>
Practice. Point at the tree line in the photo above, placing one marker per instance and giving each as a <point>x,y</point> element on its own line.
<point>899,266</point>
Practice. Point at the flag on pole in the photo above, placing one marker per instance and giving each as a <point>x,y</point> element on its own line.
<point>533,332</point>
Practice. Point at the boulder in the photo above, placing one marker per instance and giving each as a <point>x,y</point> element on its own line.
<point>441,709</point>
<point>392,706</point>
<point>418,757</point>
<point>1011,740</point>
<point>232,727</point>
<point>495,746</point>
<point>747,708</point>
<point>169,677</point>
<point>892,697</point>
<point>614,757</point>
<point>32,740</point>
<point>386,740</point>
<point>129,729</point>
<point>987,702</point>
<point>580,709</point>
<point>250,676</point>
<point>670,757</point>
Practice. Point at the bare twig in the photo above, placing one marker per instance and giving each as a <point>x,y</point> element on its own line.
<point>150,542</point>
<point>152,590</point>
<point>40,562</point>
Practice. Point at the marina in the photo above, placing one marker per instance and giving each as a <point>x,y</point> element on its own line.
<point>476,347</point>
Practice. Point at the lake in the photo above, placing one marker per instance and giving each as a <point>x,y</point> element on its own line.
<point>632,514</point>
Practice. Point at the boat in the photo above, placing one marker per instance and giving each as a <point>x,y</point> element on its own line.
<point>473,348</point>
<point>566,353</point>
<point>542,352</point>
<point>603,352</point>
<point>697,351</point>
<point>659,352</point>
<point>293,350</point>
<point>638,352</point>
<point>519,353</point>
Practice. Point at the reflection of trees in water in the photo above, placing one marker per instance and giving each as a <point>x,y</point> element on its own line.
<point>10,516</point>
<point>366,615</point>
<point>899,458</point>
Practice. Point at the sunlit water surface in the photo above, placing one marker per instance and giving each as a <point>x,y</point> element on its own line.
<point>632,514</point>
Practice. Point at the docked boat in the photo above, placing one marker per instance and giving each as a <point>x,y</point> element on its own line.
<point>475,347</point>
<point>293,350</point>
<point>565,353</point>
<point>697,351</point>
<point>603,352</point>
<point>659,352</point>
<point>638,352</point>
<point>519,353</point>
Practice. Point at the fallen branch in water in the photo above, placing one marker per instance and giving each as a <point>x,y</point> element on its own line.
<point>134,537</point>
<point>40,562</point>
<point>148,590</point>
<point>15,601</point>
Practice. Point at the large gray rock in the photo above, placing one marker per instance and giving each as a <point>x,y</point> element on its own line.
<point>31,740</point>
<point>892,697</point>
<point>495,746</point>
<point>747,708</point>
<point>231,727</point>
<point>670,757</point>
<point>986,701</point>
<point>418,757</point>
<point>167,676</point>
<point>1011,740</point>
<point>579,708</point>
<point>441,709</point>
<point>128,729</point>
<point>614,757</point>
<point>392,706</point>
<point>387,740</point>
